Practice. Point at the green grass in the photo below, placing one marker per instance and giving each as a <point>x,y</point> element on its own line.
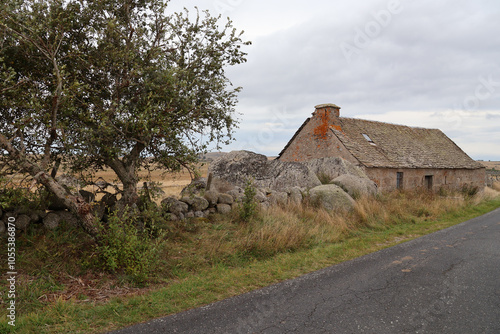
<point>212,262</point>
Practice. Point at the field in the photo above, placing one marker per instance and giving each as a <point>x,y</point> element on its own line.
<point>170,183</point>
<point>491,164</point>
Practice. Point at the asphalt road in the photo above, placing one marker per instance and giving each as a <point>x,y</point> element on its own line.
<point>445,282</point>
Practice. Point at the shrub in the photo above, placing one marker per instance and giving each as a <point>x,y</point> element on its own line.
<point>125,248</point>
<point>249,206</point>
<point>469,191</point>
<point>20,198</point>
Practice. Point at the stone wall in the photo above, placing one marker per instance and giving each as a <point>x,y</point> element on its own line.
<point>315,139</point>
<point>449,179</point>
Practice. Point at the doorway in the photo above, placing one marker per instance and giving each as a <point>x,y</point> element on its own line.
<point>428,182</point>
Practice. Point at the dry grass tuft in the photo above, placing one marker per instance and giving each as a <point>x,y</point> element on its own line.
<point>293,226</point>
<point>496,186</point>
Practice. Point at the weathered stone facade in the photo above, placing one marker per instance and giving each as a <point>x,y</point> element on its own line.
<point>393,156</point>
<point>426,178</point>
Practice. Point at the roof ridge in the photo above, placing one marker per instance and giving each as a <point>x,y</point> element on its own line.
<point>389,123</point>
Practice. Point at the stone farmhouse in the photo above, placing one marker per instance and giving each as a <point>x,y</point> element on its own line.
<point>393,156</point>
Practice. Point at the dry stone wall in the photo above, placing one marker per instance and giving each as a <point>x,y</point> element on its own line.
<point>275,182</point>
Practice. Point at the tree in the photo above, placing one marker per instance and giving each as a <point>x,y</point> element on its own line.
<point>123,84</point>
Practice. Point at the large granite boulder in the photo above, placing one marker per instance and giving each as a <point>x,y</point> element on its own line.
<point>356,186</point>
<point>237,167</point>
<point>172,205</point>
<point>328,169</point>
<point>331,197</point>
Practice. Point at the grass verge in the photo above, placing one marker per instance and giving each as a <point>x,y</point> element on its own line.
<point>207,261</point>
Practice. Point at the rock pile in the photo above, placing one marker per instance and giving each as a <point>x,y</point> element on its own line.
<point>276,182</point>
<point>332,183</point>
<point>204,203</point>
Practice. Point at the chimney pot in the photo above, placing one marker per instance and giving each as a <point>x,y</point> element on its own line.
<point>326,108</point>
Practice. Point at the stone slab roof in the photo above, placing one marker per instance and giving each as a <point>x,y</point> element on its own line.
<point>378,144</point>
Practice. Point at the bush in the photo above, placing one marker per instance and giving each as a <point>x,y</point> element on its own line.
<point>126,248</point>
<point>469,191</point>
<point>21,199</point>
<point>249,206</point>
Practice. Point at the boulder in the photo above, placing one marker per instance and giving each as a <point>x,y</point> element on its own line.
<point>222,186</point>
<point>237,193</point>
<point>23,222</point>
<point>189,214</point>
<point>172,217</point>
<point>51,221</point>
<point>223,208</point>
<point>278,198</point>
<point>68,217</point>
<point>295,195</point>
<point>284,175</point>
<point>260,196</point>
<point>196,188</point>
<point>199,204</point>
<point>212,197</point>
<point>36,215</point>
<point>172,205</point>
<point>199,214</point>
<point>225,199</point>
<point>328,169</point>
<point>238,167</point>
<point>356,186</point>
<point>331,197</point>
<point>2,227</point>
<point>188,200</point>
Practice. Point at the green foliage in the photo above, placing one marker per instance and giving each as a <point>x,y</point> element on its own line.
<point>18,198</point>
<point>123,84</point>
<point>127,249</point>
<point>248,205</point>
<point>469,191</point>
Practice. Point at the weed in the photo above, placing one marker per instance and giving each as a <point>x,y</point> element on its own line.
<point>469,191</point>
<point>125,248</point>
<point>248,203</point>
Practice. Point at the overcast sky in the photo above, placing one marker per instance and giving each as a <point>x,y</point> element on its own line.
<point>433,64</point>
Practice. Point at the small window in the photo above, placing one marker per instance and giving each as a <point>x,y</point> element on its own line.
<point>368,139</point>
<point>399,180</point>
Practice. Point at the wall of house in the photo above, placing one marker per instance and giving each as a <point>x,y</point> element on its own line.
<point>413,178</point>
<point>316,140</point>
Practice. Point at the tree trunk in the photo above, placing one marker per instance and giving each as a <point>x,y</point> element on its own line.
<point>127,175</point>
<point>76,204</point>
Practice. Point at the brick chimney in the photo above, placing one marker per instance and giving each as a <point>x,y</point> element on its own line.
<point>327,109</point>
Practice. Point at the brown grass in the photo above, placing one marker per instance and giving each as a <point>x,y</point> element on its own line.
<point>170,183</point>
<point>292,227</point>
<point>496,186</point>
<point>491,164</point>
